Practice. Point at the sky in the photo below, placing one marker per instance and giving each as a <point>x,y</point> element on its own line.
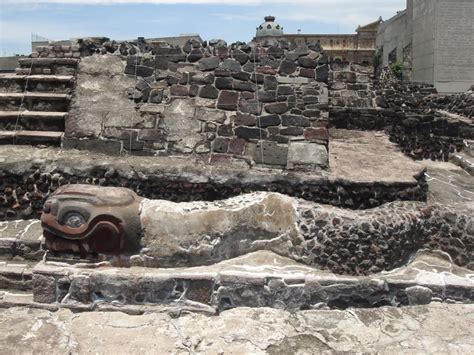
<point>231,20</point>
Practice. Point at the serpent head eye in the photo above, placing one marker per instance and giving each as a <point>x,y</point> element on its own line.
<point>74,220</point>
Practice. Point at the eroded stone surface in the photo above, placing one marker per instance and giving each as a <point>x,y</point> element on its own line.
<point>437,328</point>
<point>259,279</point>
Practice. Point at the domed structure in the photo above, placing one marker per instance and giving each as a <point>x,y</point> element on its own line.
<point>269,28</point>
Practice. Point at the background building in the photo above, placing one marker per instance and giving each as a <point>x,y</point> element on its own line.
<point>355,48</point>
<point>434,40</point>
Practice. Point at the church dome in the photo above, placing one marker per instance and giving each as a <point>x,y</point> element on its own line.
<point>269,28</point>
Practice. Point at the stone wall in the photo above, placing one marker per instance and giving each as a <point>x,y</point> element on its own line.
<point>23,190</point>
<point>351,86</point>
<point>265,105</point>
<point>409,113</point>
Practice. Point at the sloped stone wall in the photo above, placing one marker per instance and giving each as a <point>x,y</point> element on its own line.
<point>266,105</point>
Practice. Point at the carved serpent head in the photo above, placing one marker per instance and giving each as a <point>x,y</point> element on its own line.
<point>89,219</point>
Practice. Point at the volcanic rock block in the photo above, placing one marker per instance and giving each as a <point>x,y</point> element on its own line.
<point>244,120</point>
<point>240,56</point>
<point>210,63</point>
<point>287,67</point>
<point>228,100</point>
<point>250,133</point>
<point>322,73</point>
<point>267,121</point>
<point>209,92</point>
<point>295,120</point>
<point>195,55</point>
<point>277,108</point>
<point>224,83</point>
<point>232,65</point>
<point>307,62</point>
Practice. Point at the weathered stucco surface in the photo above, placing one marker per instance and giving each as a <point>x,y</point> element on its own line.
<point>100,98</point>
<point>437,328</point>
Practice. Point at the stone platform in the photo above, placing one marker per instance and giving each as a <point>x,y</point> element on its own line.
<point>366,170</point>
<point>432,329</point>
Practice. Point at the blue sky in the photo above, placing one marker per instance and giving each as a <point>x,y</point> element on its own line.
<point>231,20</point>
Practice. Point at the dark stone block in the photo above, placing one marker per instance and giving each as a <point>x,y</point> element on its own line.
<point>174,55</point>
<point>225,130</point>
<point>293,120</point>
<point>270,83</point>
<point>139,70</point>
<point>312,113</point>
<point>179,90</point>
<point>161,63</point>
<point>240,56</point>
<point>236,146</point>
<point>267,121</point>
<point>202,78</point>
<point>307,62</point>
<point>275,52</point>
<point>228,100</point>
<point>244,86</point>
<point>322,73</point>
<point>241,76</point>
<point>292,131</point>
<point>277,108</point>
<point>156,96</point>
<point>270,153</point>
<point>222,72</point>
<point>221,145</point>
<point>193,90</point>
<point>232,65</point>
<point>310,99</point>
<point>285,90</point>
<point>266,70</point>
<point>257,78</point>
<point>195,55</point>
<point>279,139</point>
<point>244,120</point>
<point>323,60</point>
<point>250,133</point>
<point>210,63</point>
<point>291,56</point>
<point>209,92</point>
<point>222,52</point>
<point>307,73</point>
<point>224,83</point>
<point>173,78</point>
<point>266,96</point>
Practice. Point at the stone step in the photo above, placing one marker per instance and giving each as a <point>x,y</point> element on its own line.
<point>259,279</point>
<point>33,95</point>
<point>27,62</point>
<point>16,275</point>
<point>36,115</point>
<point>31,136</point>
<point>39,77</point>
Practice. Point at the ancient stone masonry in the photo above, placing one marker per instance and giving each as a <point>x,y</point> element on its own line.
<point>413,114</point>
<point>351,86</point>
<point>263,104</point>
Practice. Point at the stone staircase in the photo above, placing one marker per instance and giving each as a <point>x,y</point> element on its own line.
<point>34,101</point>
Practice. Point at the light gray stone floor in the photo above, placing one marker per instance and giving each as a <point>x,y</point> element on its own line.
<point>435,329</point>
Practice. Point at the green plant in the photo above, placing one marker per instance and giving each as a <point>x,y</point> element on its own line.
<point>397,69</point>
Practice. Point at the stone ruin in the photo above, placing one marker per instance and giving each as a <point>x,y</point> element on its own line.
<point>141,176</point>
